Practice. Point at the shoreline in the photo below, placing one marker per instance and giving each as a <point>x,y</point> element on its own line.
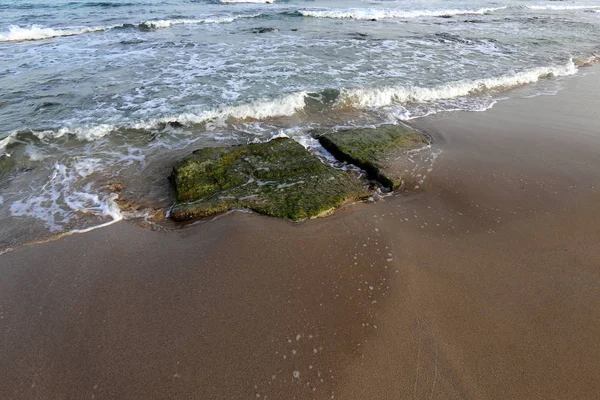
<point>420,124</point>
<point>482,284</point>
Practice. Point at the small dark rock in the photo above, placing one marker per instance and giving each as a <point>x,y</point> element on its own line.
<point>264,30</point>
<point>116,187</point>
<point>358,35</point>
<point>175,124</point>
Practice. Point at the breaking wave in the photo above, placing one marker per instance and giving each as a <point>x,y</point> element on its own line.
<point>5,142</point>
<point>367,98</point>
<point>561,7</point>
<point>387,96</point>
<point>290,104</point>
<point>109,4</point>
<point>103,4</point>
<point>165,23</point>
<point>383,13</point>
<point>256,110</point>
<point>247,1</point>
<point>37,32</point>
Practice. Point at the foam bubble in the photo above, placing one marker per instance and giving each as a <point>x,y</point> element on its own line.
<point>34,153</point>
<point>385,13</point>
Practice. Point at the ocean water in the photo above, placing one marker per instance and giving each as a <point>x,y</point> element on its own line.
<point>98,99</point>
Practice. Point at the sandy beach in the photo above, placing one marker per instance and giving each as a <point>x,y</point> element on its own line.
<point>482,284</point>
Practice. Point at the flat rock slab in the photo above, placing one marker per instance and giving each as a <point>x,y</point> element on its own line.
<point>381,152</point>
<point>279,178</point>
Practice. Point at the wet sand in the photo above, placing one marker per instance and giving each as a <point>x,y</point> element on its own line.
<point>484,284</point>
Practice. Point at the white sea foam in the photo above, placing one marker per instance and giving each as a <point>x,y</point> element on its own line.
<point>86,132</point>
<point>385,13</point>
<point>1,200</point>
<point>562,7</point>
<point>38,32</point>
<point>360,98</point>
<point>247,1</point>
<point>65,194</point>
<point>5,142</point>
<point>165,23</point>
<point>258,109</point>
<point>388,96</point>
<point>102,206</point>
<point>585,62</point>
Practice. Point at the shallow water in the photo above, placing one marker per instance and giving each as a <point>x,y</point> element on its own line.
<point>105,92</point>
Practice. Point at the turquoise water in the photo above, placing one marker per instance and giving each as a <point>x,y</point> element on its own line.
<point>94,93</point>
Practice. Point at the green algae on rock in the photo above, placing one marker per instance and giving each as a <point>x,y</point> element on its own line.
<point>279,178</point>
<point>379,151</point>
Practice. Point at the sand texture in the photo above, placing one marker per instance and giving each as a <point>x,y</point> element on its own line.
<point>484,283</point>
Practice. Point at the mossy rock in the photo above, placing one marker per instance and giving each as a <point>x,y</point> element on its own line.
<point>381,151</point>
<point>279,178</point>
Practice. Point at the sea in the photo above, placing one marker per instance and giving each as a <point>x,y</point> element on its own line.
<point>98,99</point>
